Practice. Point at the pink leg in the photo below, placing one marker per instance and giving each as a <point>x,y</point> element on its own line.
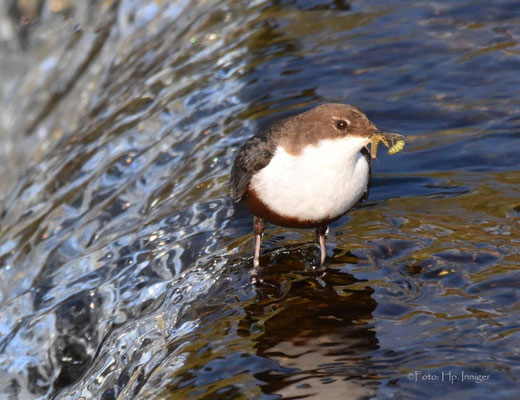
<point>320,235</point>
<point>258,228</point>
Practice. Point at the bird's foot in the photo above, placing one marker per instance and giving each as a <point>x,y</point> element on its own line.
<point>321,265</point>
<point>255,277</point>
<point>320,275</point>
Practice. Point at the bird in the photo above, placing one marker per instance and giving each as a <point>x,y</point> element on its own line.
<point>306,171</point>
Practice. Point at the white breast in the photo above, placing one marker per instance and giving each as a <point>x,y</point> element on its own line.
<point>324,181</point>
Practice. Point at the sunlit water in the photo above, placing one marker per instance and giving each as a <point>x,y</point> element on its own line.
<point>124,268</point>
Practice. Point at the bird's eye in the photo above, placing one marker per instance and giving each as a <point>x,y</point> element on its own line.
<point>341,124</point>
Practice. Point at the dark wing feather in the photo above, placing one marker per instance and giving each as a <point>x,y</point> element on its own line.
<point>254,155</point>
<point>366,154</point>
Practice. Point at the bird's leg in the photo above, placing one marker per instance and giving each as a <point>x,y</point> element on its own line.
<point>320,235</point>
<point>258,228</point>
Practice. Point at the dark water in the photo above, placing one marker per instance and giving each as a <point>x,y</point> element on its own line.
<point>124,270</point>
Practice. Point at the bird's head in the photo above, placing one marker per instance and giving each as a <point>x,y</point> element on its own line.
<point>343,123</point>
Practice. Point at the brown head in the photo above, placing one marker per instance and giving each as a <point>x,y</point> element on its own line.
<point>328,121</point>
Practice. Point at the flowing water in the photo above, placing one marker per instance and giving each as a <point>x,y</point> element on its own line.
<point>124,268</point>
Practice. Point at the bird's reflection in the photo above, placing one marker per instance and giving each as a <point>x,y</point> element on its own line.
<point>319,331</point>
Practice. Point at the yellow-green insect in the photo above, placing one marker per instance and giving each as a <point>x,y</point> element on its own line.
<point>397,147</point>
<point>396,140</point>
<point>374,142</point>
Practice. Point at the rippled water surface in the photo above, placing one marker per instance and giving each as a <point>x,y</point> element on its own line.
<point>124,268</point>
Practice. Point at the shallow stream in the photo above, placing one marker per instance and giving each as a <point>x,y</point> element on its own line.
<point>124,268</point>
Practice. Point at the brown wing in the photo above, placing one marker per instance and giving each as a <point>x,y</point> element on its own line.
<point>254,155</point>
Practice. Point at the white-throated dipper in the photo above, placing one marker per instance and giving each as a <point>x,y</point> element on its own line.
<point>308,170</point>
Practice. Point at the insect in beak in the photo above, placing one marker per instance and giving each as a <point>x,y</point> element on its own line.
<point>394,141</point>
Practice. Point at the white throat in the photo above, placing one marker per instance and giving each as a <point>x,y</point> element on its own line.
<point>324,181</point>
